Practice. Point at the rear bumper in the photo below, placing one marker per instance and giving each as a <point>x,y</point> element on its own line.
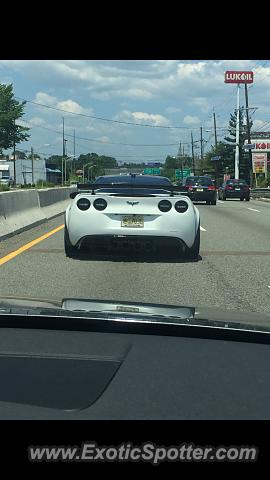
<point>107,241</point>
<point>229,194</point>
<point>202,196</point>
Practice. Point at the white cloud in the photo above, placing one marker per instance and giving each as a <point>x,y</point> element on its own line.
<point>202,103</point>
<point>103,139</point>
<point>142,117</point>
<point>45,99</point>
<point>189,119</point>
<point>71,106</point>
<point>173,109</point>
<point>36,121</point>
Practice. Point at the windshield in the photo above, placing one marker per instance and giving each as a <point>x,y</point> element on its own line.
<point>96,196</point>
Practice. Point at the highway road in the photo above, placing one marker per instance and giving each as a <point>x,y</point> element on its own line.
<point>233,272</point>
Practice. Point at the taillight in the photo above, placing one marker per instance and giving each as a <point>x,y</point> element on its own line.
<point>164,205</point>
<point>181,206</point>
<point>83,203</point>
<point>228,187</point>
<point>100,204</point>
<point>190,188</point>
<point>211,187</point>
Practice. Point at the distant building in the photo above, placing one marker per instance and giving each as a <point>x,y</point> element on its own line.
<point>53,174</point>
<point>24,170</point>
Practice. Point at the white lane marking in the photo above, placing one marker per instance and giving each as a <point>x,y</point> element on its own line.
<point>254,210</point>
<point>202,229</point>
<point>220,201</point>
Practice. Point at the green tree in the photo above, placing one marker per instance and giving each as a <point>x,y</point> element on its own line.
<point>243,135</point>
<point>10,111</point>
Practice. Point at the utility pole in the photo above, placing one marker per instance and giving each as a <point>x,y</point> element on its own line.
<point>193,159</point>
<point>216,162</point>
<point>201,144</point>
<point>236,160</point>
<point>181,160</point>
<point>32,162</point>
<point>14,151</point>
<point>63,156</point>
<point>73,151</point>
<point>249,140</point>
<point>65,160</point>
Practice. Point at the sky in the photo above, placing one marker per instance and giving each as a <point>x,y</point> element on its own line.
<point>153,94</point>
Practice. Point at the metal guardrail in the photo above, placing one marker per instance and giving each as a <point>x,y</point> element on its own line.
<point>260,192</point>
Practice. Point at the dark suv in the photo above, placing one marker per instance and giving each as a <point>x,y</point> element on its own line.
<point>234,188</point>
<point>201,188</point>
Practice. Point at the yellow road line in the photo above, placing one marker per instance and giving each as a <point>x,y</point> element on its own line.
<point>31,244</point>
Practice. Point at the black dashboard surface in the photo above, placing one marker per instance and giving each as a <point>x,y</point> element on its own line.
<point>51,374</point>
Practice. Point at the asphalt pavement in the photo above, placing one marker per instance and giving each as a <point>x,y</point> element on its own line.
<point>232,273</point>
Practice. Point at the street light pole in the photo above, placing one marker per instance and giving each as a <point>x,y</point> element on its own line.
<point>249,140</point>
<point>14,160</point>
<point>32,162</point>
<point>236,160</point>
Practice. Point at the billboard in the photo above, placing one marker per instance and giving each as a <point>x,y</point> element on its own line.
<point>259,162</point>
<point>232,76</point>
<point>260,145</point>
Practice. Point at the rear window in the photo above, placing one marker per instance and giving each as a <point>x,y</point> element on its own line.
<point>204,181</point>
<point>129,180</point>
<point>236,182</point>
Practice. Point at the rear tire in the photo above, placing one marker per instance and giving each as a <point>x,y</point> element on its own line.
<point>193,252</point>
<point>69,249</point>
<point>247,199</point>
<point>208,202</point>
<point>241,199</point>
<point>214,202</point>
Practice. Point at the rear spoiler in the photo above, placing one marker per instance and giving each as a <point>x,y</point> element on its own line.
<point>87,187</point>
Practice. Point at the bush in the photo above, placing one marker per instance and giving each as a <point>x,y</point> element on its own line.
<point>263,182</point>
<point>4,188</point>
<point>44,184</point>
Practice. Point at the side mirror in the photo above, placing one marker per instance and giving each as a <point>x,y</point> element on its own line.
<point>73,194</point>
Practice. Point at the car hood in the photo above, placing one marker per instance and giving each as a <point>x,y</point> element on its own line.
<point>136,312</point>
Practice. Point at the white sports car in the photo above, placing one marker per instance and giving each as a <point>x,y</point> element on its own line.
<point>132,208</point>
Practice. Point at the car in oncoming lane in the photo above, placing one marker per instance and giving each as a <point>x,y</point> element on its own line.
<point>234,188</point>
<point>200,189</point>
<point>135,209</point>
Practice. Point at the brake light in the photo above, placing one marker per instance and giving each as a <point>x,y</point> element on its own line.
<point>211,187</point>
<point>228,187</point>
<point>164,206</point>
<point>83,203</point>
<point>100,204</point>
<point>190,188</point>
<point>181,206</point>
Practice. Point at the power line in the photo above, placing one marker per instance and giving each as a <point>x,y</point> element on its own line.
<point>100,141</point>
<point>105,119</point>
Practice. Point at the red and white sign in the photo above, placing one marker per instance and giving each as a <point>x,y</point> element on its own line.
<point>261,145</point>
<point>259,162</point>
<point>232,76</point>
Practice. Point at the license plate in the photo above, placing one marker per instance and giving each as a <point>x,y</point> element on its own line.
<point>199,189</point>
<point>132,221</point>
<point>238,189</point>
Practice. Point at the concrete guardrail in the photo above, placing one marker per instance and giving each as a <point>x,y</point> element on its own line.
<point>24,209</point>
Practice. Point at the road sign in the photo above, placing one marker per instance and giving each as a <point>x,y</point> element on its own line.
<point>186,173</point>
<point>152,171</point>
<point>214,159</point>
<point>249,146</point>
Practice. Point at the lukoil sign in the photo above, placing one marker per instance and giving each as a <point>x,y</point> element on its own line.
<point>260,145</point>
<point>232,76</point>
